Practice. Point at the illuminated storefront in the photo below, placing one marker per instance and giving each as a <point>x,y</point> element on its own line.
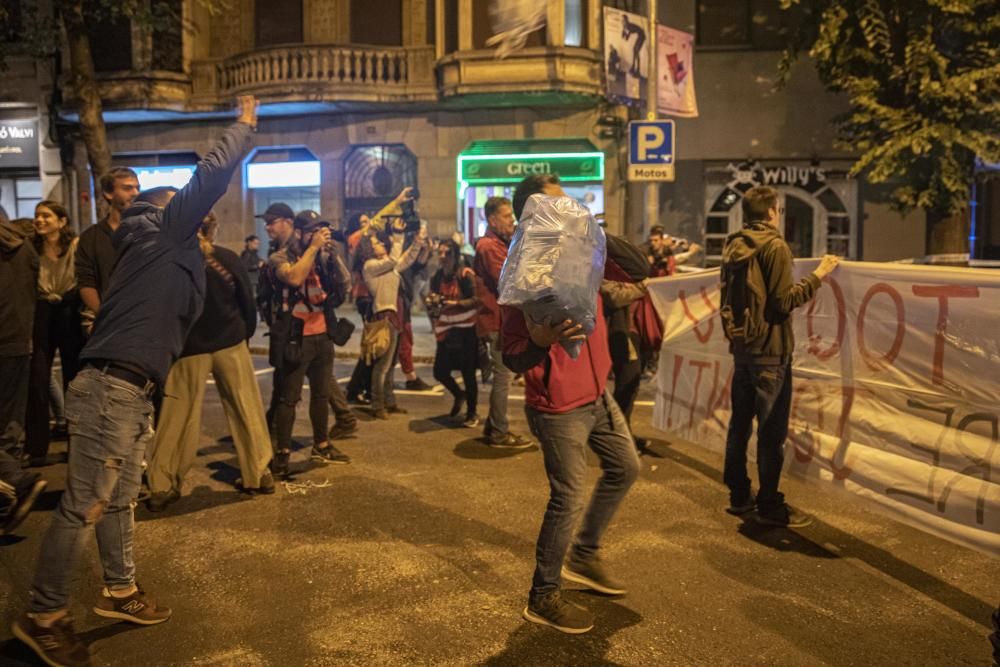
<point>818,207</point>
<point>494,168</point>
<point>20,181</point>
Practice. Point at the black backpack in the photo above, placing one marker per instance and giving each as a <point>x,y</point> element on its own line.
<point>744,298</point>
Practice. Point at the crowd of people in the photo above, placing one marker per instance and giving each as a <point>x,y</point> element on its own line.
<point>128,361</point>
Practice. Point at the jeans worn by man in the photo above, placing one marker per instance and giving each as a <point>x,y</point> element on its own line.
<point>758,296</point>
<point>570,410</point>
<point>491,252</point>
<point>155,296</point>
<point>110,425</point>
<point>764,392</point>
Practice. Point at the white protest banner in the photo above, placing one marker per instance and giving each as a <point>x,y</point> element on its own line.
<point>626,55</point>
<point>896,388</point>
<point>675,73</point>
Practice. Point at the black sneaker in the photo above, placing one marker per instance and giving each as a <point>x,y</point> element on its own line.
<point>471,421</point>
<point>418,385</point>
<point>358,399</point>
<point>57,645</point>
<point>742,507</point>
<point>511,441</point>
<point>457,405</point>
<point>343,429</point>
<point>157,502</point>
<point>137,608</point>
<point>25,494</point>
<point>551,610</point>
<point>279,464</point>
<point>592,575</point>
<point>785,516</point>
<point>641,444</point>
<point>330,454</point>
<point>264,488</point>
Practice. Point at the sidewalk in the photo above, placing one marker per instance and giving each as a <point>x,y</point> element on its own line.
<point>424,343</point>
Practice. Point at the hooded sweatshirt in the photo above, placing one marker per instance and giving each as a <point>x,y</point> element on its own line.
<point>764,242</point>
<point>19,278</point>
<point>157,288</point>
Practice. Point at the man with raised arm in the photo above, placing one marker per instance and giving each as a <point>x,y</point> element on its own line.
<point>154,297</point>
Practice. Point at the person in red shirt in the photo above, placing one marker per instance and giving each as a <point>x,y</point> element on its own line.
<point>569,409</point>
<point>453,304</point>
<point>491,253</point>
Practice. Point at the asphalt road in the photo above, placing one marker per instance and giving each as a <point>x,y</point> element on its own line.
<point>421,551</point>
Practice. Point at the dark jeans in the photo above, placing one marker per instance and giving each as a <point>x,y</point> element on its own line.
<point>13,405</point>
<point>466,360</point>
<point>57,326</point>
<point>316,363</point>
<point>764,392</point>
<point>361,379</point>
<point>565,439</point>
<point>110,425</point>
<point>628,373</point>
<point>338,402</point>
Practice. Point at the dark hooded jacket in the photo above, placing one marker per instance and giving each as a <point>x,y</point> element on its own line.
<point>157,288</point>
<point>764,242</point>
<point>18,288</point>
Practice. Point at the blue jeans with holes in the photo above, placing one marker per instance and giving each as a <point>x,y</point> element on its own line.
<point>764,392</point>
<point>565,439</point>
<point>110,424</point>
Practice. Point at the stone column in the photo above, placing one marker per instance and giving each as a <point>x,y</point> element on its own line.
<point>439,28</point>
<point>595,24</point>
<point>555,23</point>
<point>464,25</point>
<point>415,22</point>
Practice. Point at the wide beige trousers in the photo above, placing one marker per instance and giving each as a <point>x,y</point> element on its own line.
<point>179,428</point>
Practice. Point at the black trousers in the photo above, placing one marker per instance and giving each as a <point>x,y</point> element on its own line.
<point>628,373</point>
<point>13,405</point>
<point>459,352</point>
<point>57,327</point>
<point>316,363</point>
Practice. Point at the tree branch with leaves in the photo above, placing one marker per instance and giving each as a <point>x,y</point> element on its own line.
<point>923,81</point>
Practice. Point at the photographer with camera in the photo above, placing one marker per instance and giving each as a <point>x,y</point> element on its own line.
<point>308,279</point>
<point>384,262</point>
<point>404,226</point>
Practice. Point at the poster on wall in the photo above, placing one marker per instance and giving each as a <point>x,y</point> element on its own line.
<point>675,73</point>
<point>895,393</point>
<point>626,55</point>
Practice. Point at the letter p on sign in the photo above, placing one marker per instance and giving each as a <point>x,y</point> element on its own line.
<point>650,139</point>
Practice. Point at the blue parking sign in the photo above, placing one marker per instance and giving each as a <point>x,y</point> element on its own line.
<point>651,150</point>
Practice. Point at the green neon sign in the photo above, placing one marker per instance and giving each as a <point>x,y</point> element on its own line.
<point>486,169</point>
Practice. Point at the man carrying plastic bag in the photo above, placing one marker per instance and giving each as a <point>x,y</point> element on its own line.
<point>553,272</point>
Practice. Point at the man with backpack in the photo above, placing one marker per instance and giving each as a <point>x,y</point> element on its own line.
<point>758,297</point>
<point>305,272</point>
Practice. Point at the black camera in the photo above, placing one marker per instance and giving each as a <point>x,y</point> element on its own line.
<point>411,221</point>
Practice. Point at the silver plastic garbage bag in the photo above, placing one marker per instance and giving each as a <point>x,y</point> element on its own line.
<point>555,264</point>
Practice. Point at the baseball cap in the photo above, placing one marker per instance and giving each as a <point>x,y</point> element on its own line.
<point>309,220</point>
<point>277,210</point>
